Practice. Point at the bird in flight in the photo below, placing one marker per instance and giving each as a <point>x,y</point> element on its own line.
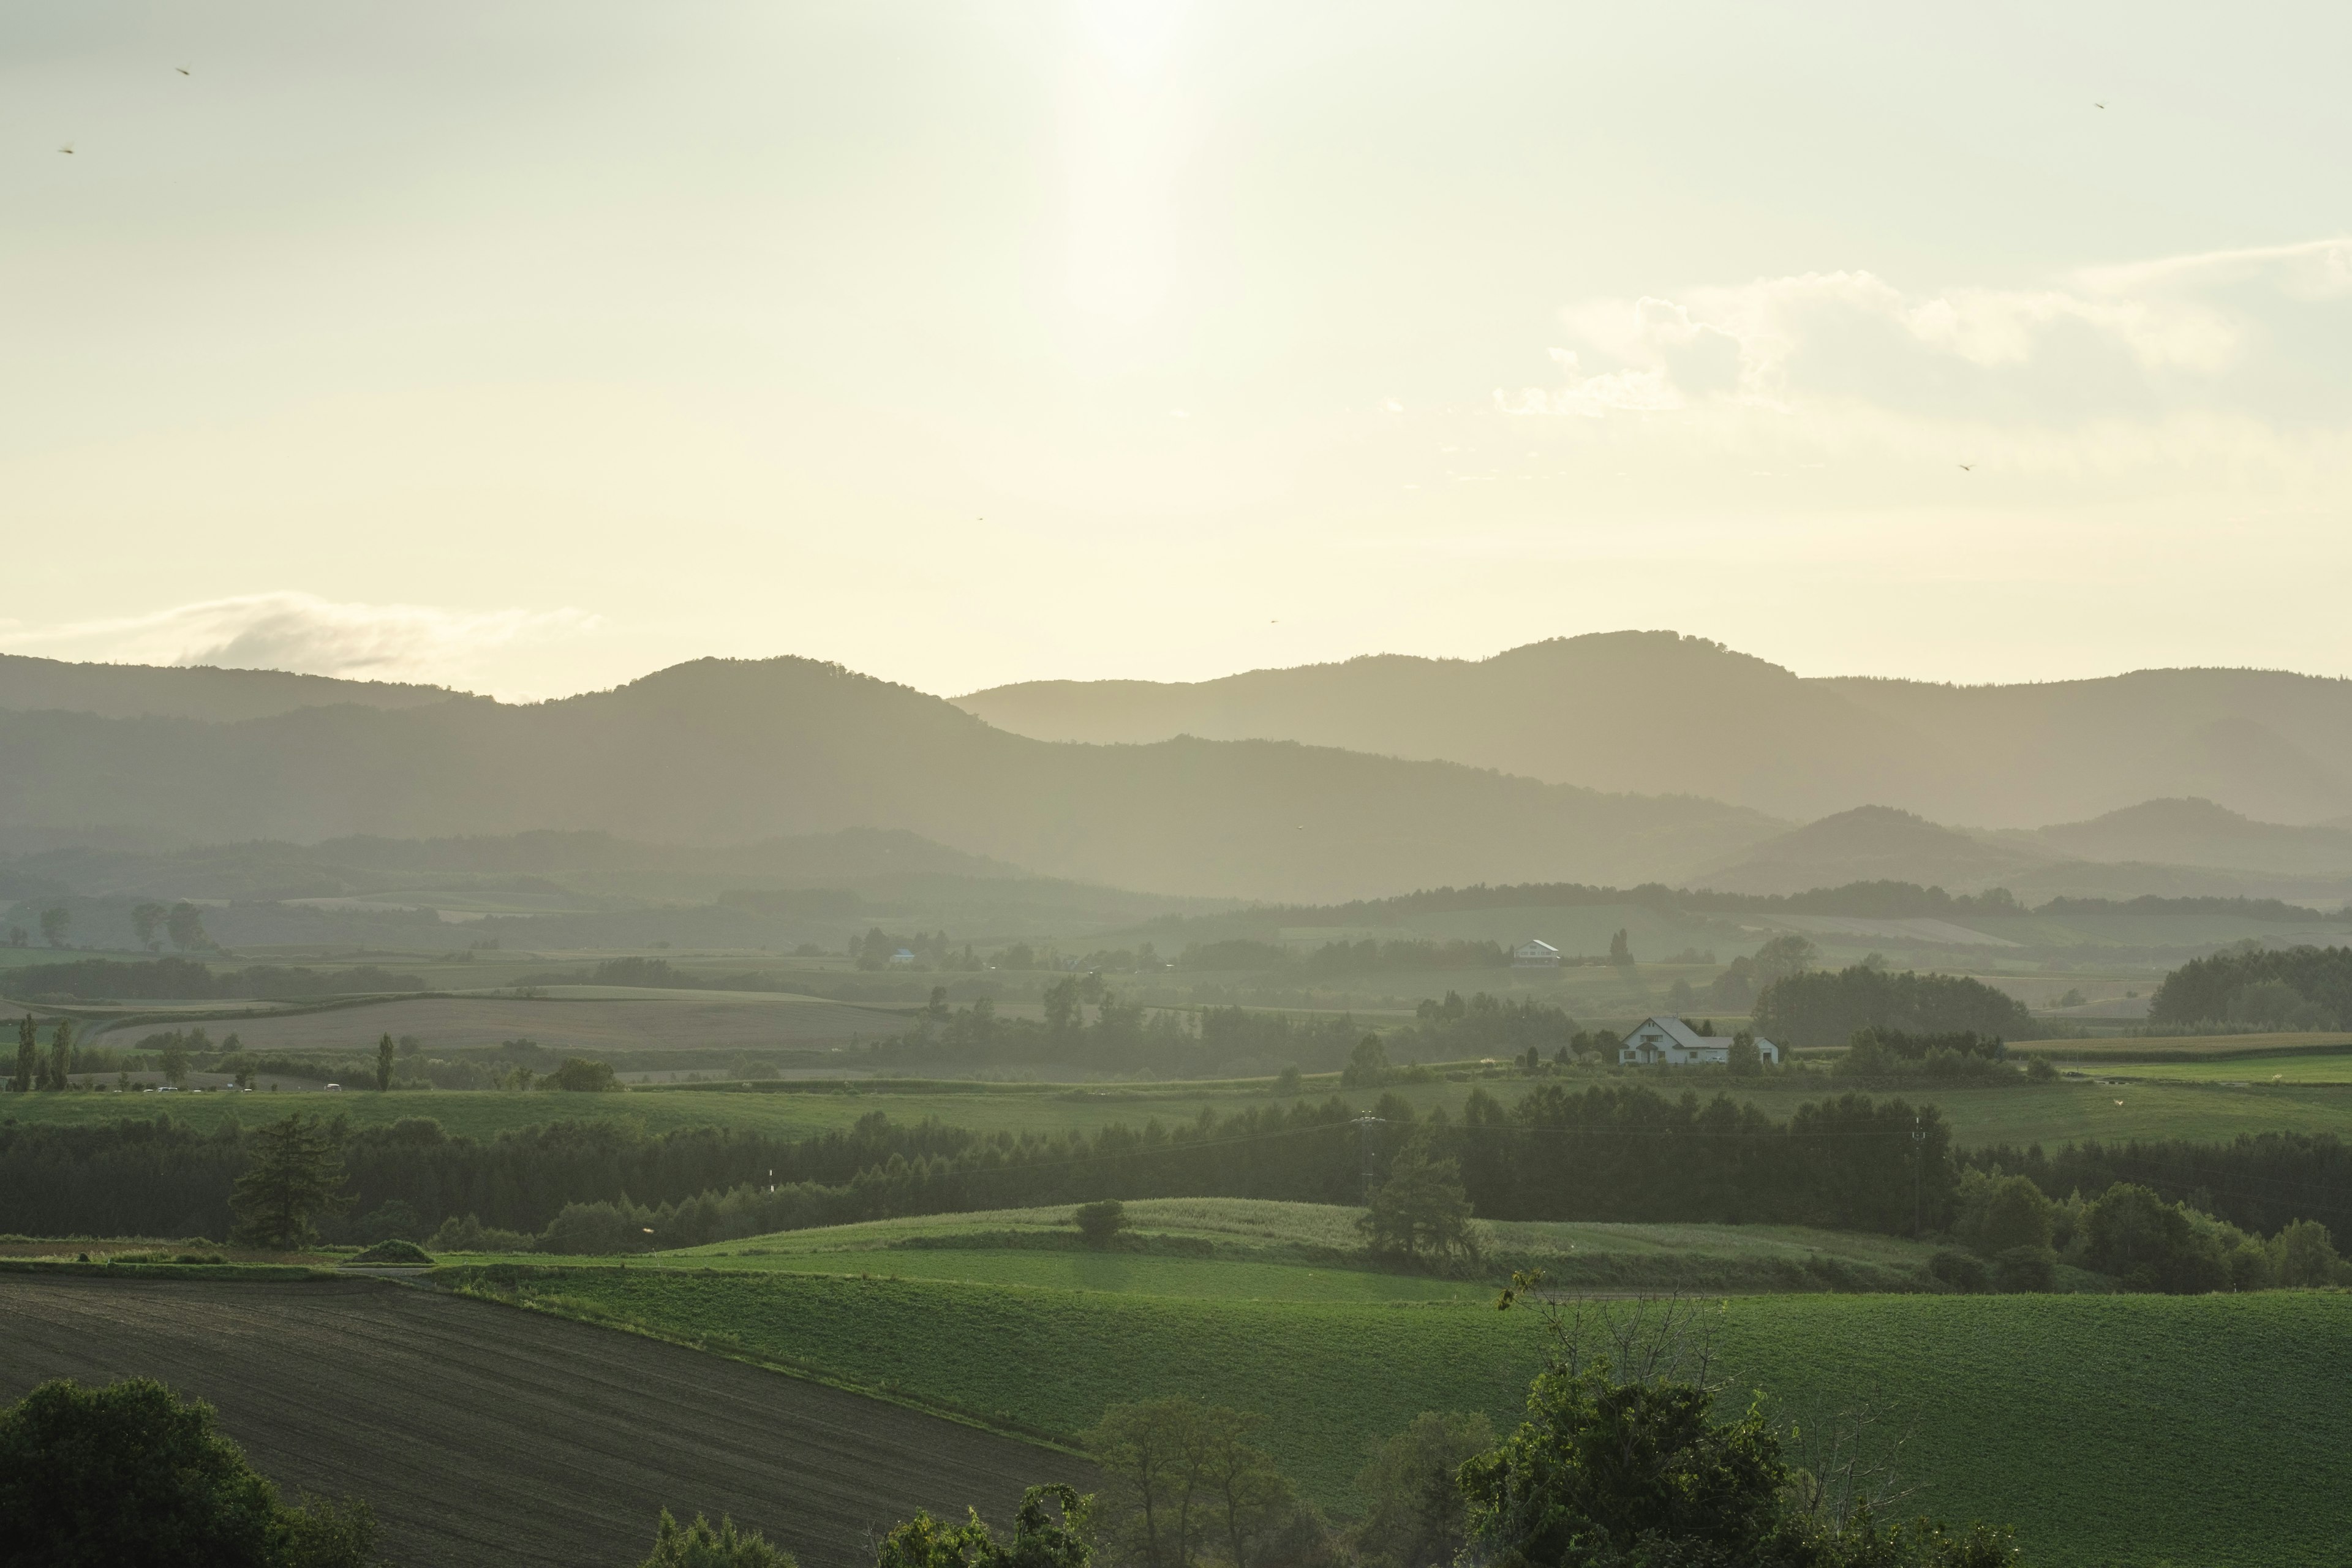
<point>1966,467</point>
<point>182,70</point>
<point>66,148</point>
<point>2098,106</point>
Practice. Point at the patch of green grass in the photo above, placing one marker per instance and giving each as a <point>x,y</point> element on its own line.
<point>2108,1430</point>
<point>1251,1249</point>
<point>2243,1072</point>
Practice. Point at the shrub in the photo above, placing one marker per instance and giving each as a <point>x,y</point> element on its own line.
<point>1963,1271</point>
<point>394,1251</point>
<point>127,1475</point>
<point>1100,1222</point>
<point>697,1545</point>
<point>580,1076</point>
<point>2019,1271</point>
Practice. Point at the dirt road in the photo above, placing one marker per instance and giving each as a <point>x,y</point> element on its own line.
<point>484,1435</point>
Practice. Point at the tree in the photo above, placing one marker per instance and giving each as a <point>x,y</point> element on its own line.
<point>1057,1537</point>
<point>581,1076</point>
<point>1100,1222</point>
<point>1187,1484</point>
<point>128,1476</point>
<point>1421,1209</point>
<point>2305,1255</point>
<point>1999,1213</point>
<point>29,1057</point>
<point>185,926</point>
<point>55,924</point>
<point>1743,1059</point>
<point>59,1075</point>
<point>1620,951</point>
<point>146,919</point>
<point>1417,1518</point>
<point>297,1173</point>
<point>1782,957</point>
<point>1621,1461</point>
<point>697,1545</point>
<point>1368,1065</point>
<point>174,1059</point>
<point>383,1051</point>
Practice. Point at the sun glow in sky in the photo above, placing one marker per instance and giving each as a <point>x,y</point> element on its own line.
<point>531,347</point>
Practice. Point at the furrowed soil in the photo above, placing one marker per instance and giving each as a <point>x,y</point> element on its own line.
<point>486,1435</point>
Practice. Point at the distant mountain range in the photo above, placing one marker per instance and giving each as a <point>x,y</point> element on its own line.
<point>1618,759</point>
<point>1656,712</point>
<point>727,752</point>
<point>2172,849</point>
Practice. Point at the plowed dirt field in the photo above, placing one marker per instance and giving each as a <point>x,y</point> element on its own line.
<point>483,1435</point>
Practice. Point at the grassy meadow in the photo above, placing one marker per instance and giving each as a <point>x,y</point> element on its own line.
<point>2108,1429</point>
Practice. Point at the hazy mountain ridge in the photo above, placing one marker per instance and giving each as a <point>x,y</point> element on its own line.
<point>2172,849</point>
<point>722,752</point>
<point>1619,710</point>
<point>191,691</point>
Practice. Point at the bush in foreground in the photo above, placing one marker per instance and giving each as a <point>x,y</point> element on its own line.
<point>128,1476</point>
<point>698,1545</point>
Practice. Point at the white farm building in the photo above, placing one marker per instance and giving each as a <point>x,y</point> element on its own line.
<point>1669,1042</point>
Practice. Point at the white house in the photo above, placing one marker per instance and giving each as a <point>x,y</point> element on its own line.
<point>1673,1043</point>
<point>901,959</point>
<point>1533,954</point>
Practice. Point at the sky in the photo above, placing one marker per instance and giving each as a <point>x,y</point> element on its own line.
<point>532,347</point>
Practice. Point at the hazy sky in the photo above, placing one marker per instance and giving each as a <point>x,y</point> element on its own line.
<point>534,346</point>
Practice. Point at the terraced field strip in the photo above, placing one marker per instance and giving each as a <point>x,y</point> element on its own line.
<point>486,1435</point>
<point>2109,1430</point>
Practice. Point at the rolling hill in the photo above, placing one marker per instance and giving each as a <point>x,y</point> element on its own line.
<point>726,752</point>
<point>1656,712</point>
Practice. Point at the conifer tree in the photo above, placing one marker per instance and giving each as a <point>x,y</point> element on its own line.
<point>29,1057</point>
<point>60,1057</point>
<point>297,1173</point>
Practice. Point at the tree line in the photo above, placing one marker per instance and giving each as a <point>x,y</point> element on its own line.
<point>1606,1153</point>
<point>2287,988</point>
<point>185,979</point>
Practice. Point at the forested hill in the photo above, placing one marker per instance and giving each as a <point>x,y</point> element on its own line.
<point>720,751</point>
<point>1618,710</point>
<point>175,691</point>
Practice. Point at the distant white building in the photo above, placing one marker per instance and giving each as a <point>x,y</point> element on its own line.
<point>1534,953</point>
<point>1669,1042</point>
<point>901,959</point>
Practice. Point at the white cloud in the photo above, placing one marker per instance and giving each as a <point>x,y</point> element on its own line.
<point>2254,332</point>
<point>306,633</point>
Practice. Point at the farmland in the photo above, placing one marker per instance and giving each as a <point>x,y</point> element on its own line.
<point>2052,1115</point>
<point>1252,1250</point>
<point>571,1019</point>
<point>2102,1427</point>
<point>483,1435</point>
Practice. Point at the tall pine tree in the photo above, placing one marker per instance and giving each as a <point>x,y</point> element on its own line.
<point>29,1057</point>
<point>297,1173</point>
<point>60,1057</point>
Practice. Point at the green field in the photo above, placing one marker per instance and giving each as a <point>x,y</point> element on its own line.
<point>2108,1429</point>
<point>2058,1113</point>
<point>2252,1071</point>
<point>1242,1248</point>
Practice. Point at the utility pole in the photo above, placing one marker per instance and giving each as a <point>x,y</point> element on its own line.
<point>1364,1125</point>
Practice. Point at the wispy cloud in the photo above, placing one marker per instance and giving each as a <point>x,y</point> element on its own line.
<point>2255,334</point>
<point>303,633</point>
